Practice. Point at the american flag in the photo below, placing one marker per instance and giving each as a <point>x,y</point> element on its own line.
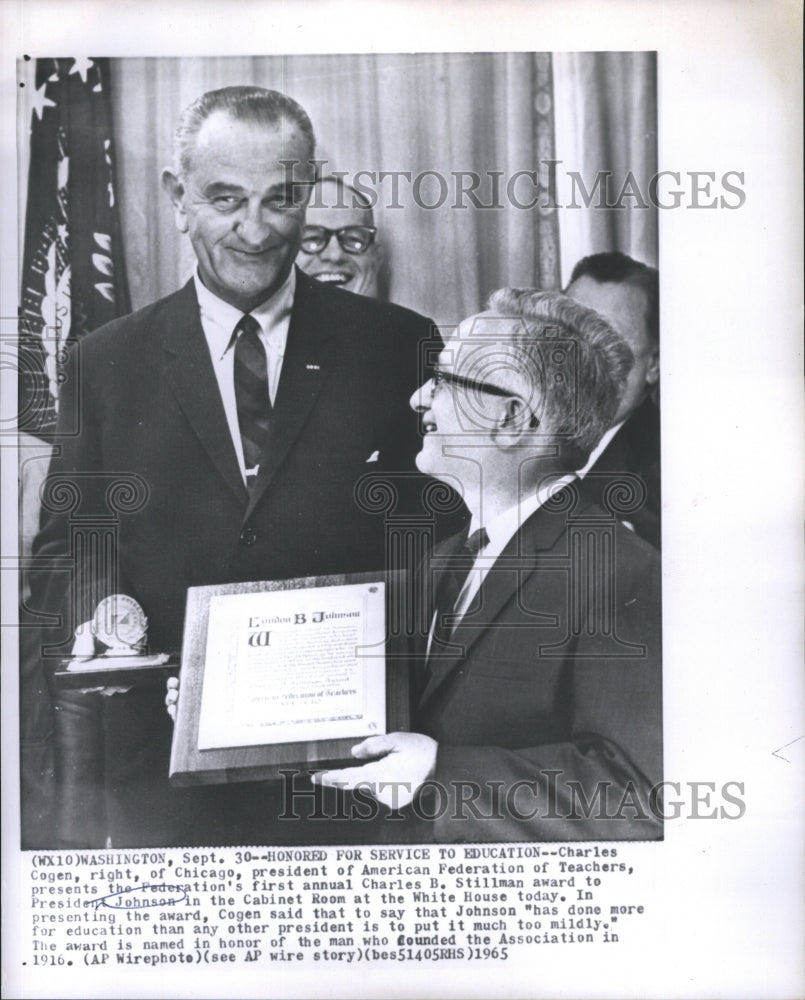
<point>73,277</point>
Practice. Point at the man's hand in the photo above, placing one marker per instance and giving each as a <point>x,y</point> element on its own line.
<point>172,697</point>
<point>407,761</point>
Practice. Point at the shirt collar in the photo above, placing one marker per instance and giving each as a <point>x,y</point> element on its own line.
<point>269,314</point>
<point>596,453</point>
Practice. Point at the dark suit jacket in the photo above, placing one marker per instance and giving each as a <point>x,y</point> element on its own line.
<point>151,415</point>
<point>633,452</point>
<point>547,686</point>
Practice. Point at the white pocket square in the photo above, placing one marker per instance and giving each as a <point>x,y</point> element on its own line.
<point>374,457</point>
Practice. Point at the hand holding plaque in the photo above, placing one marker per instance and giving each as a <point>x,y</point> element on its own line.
<point>398,765</point>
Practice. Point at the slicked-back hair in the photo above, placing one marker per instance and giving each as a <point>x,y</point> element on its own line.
<point>620,269</point>
<point>577,362</point>
<point>251,104</point>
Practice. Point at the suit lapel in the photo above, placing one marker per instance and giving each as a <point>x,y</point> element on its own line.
<point>309,358</point>
<point>634,447</point>
<point>518,561</point>
<point>189,372</point>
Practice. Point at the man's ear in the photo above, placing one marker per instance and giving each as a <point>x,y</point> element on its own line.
<point>653,371</point>
<point>515,423</point>
<point>174,188</point>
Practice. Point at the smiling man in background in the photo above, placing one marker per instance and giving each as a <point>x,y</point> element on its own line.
<point>339,241</point>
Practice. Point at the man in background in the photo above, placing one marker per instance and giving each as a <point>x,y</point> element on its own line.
<point>339,240</point>
<point>627,294</point>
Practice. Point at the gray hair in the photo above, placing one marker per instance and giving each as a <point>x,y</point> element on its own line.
<point>576,361</point>
<point>253,104</point>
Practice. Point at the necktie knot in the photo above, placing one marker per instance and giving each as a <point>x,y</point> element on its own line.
<point>247,326</point>
<point>477,540</point>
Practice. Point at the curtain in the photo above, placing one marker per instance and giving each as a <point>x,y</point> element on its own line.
<point>435,122</point>
<point>497,115</point>
<point>606,122</point>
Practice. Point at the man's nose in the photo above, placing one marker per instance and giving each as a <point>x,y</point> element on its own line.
<point>254,227</point>
<point>332,250</point>
<point>420,400</point>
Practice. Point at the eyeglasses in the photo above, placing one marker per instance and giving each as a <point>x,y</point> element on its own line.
<point>441,377</point>
<point>352,239</point>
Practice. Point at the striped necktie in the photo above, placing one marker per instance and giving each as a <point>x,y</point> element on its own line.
<point>251,390</point>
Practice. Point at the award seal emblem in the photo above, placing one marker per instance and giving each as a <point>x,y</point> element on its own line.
<point>120,624</point>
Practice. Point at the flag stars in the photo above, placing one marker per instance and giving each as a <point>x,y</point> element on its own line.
<point>82,65</point>
<point>41,101</point>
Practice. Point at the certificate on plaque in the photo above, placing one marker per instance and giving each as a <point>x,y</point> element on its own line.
<point>281,674</point>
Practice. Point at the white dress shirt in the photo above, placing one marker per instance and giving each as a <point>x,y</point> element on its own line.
<point>219,319</point>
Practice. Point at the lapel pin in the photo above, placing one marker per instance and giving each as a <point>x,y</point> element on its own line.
<point>313,368</point>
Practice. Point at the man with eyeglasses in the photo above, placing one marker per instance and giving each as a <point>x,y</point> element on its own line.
<point>242,410</point>
<point>537,665</point>
<point>339,239</point>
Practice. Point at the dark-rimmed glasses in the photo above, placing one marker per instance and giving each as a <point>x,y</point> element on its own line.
<point>352,239</point>
<point>442,377</point>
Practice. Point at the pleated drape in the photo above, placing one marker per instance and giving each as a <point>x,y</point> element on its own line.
<point>434,122</point>
<point>423,118</point>
<point>606,122</point>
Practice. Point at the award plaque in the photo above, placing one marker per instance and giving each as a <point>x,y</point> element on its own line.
<point>120,659</point>
<point>283,674</point>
